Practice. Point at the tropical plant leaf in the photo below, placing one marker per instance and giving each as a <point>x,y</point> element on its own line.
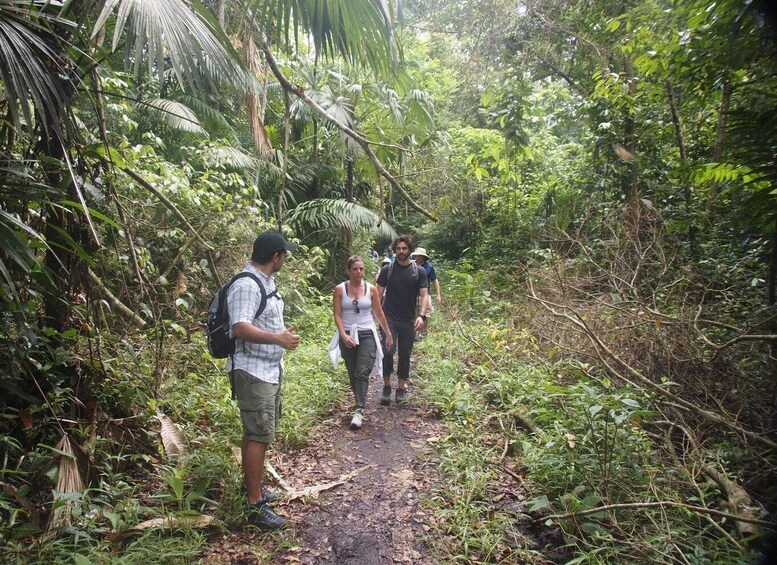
<point>29,65</point>
<point>421,107</point>
<point>175,115</point>
<point>173,439</point>
<point>72,463</point>
<point>27,504</point>
<point>213,119</point>
<point>170,31</point>
<point>323,213</point>
<point>359,30</point>
<point>231,157</point>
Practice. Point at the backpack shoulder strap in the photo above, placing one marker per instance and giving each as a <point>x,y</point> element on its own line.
<point>388,275</point>
<point>262,291</point>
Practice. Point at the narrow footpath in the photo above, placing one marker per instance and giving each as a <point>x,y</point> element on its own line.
<point>368,510</point>
<point>374,516</point>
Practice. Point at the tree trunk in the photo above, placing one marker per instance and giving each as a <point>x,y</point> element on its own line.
<point>771,283</point>
<point>687,195</point>
<point>772,276</point>
<point>349,179</point>
<point>720,139</point>
<point>631,193</point>
<point>314,186</point>
<point>220,13</point>
<point>286,137</point>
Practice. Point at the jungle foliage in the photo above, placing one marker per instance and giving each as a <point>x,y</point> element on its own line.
<point>598,178</point>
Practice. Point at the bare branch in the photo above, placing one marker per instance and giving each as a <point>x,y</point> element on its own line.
<point>117,304</point>
<point>170,206</point>
<point>659,504</point>
<point>605,352</point>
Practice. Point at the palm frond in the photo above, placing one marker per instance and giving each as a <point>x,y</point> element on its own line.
<point>753,138</point>
<point>170,30</point>
<point>213,118</point>
<point>341,111</point>
<point>173,439</point>
<point>391,100</point>
<point>20,242</point>
<point>234,158</point>
<point>324,213</point>
<point>175,115</point>
<point>421,107</point>
<point>300,111</point>
<point>30,69</point>
<point>70,481</point>
<point>358,30</point>
<point>231,157</point>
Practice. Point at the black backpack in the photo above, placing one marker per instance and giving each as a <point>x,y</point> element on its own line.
<point>220,345</point>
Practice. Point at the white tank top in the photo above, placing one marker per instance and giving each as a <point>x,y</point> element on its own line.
<point>363,319</point>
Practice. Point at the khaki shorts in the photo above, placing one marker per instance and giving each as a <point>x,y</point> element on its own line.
<point>259,403</point>
<point>429,305</point>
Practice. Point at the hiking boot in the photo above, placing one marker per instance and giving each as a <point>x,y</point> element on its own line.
<point>356,421</point>
<point>261,516</point>
<point>400,396</point>
<point>385,397</point>
<point>268,495</point>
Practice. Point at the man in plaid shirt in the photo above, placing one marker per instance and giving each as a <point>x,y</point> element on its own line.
<point>256,367</point>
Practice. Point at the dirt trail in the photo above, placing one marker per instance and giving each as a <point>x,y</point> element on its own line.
<point>375,516</point>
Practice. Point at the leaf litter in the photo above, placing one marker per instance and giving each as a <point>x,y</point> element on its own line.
<point>350,497</point>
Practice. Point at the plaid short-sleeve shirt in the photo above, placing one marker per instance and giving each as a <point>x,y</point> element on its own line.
<point>262,360</point>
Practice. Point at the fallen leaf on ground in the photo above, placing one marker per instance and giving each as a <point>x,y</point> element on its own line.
<point>200,521</point>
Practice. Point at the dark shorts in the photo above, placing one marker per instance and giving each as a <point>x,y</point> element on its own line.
<point>259,403</point>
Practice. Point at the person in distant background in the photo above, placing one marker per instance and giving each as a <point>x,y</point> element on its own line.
<point>356,306</point>
<point>422,259</point>
<point>386,261</point>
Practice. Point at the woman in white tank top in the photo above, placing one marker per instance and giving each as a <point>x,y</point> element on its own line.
<point>356,306</point>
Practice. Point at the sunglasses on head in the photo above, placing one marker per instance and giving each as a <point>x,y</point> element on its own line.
<point>355,306</point>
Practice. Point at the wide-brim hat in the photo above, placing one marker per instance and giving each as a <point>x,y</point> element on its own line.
<point>271,242</point>
<point>420,251</point>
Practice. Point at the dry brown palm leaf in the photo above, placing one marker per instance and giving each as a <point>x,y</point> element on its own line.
<point>186,521</point>
<point>173,439</point>
<point>262,141</point>
<point>315,490</point>
<point>70,479</point>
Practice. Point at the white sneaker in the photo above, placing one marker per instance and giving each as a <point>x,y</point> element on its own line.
<point>356,421</point>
